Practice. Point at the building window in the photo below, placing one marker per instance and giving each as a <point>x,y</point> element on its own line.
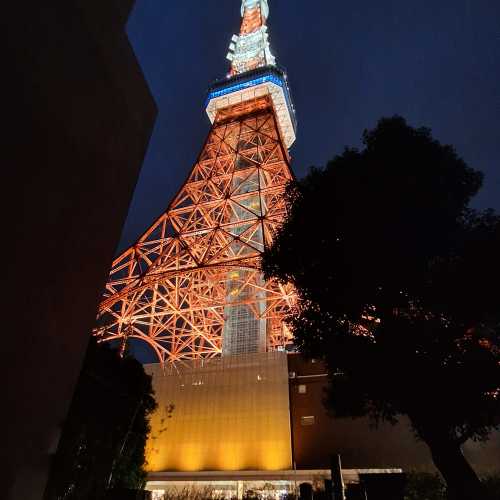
<point>302,389</point>
<point>309,420</point>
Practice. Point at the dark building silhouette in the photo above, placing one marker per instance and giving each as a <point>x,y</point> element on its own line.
<point>316,435</point>
<point>77,121</point>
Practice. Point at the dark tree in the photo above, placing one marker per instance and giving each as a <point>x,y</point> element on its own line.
<point>399,289</point>
<point>103,439</point>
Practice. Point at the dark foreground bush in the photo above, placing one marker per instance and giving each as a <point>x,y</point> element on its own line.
<point>427,486</point>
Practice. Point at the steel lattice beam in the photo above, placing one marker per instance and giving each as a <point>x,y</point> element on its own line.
<point>172,288</point>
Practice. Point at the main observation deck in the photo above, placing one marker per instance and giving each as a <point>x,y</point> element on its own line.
<point>267,80</point>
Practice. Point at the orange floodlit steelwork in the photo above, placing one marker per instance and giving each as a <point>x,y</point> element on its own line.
<point>191,287</point>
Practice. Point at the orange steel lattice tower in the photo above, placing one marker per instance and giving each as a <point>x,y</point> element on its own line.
<point>191,286</point>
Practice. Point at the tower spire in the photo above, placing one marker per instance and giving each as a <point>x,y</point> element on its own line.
<point>250,49</point>
<point>253,72</point>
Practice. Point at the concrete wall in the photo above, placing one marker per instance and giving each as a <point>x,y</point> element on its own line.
<point>77,118</point>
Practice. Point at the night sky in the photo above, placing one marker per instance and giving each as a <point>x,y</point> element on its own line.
<point>435,62</point>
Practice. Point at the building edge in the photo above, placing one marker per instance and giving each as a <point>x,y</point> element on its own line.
<point>80,117</point>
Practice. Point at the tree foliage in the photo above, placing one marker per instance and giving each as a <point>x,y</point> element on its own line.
<point>398,284</point>
<point>103,439</point>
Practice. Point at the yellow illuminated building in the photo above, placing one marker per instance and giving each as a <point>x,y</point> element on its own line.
<point>226,414</point>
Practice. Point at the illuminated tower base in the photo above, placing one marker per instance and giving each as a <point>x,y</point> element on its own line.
<point>191,287</point>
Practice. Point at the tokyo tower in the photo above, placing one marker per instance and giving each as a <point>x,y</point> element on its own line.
<point>191,286</point>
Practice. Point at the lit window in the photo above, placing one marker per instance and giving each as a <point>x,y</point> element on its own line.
<point>302,388</point>
<point>309,420</point>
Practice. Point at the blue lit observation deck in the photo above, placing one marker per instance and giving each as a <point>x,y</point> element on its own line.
<point>267,80</point>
